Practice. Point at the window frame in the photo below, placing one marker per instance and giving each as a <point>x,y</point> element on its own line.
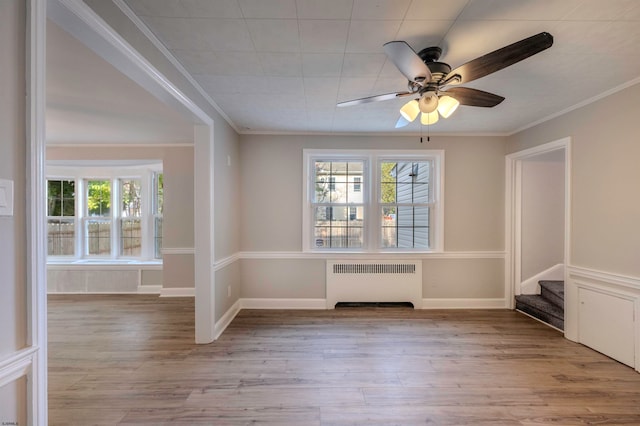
<point>371,190</point>
<point>62,217</point>
<point>83,172</point>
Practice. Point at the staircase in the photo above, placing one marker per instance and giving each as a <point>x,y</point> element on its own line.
<point>548,306</point>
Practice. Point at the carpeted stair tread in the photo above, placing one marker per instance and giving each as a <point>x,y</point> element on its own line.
<point>553,291</point>
<point>541,308</point>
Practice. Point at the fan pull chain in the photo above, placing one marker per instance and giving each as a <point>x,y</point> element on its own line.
<point>428,133</point>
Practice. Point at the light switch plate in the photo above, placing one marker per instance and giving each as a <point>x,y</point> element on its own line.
<point>6,197</point>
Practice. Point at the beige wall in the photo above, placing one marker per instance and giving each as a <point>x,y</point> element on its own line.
<point>605,235</point>
<point>271,214</point>
<point>271,188</point>
<point>13,231</point>
<point>542,216</point>
<point>178,228</point>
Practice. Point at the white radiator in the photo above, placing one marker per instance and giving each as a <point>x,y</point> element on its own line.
<point>374,281</point>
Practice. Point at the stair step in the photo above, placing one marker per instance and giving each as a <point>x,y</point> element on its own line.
<point>541,308</point>
<point>553,291</point>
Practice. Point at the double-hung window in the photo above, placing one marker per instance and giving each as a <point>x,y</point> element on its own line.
<point>61,214</point>
<point>158,206</point>
<point>97,220</point>
<point>130,217</point>
<point>337,206</point>
<point>373,201</point>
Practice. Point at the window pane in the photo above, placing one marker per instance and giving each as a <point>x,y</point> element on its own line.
<point>338,227</point>
<point>130,237</point>
<point>61,235</point>
<point>158,182</point>
<point>412,227</point>
<point>338,182</point>
<point>130,198</point>
<point>158,237</point>
<point>98,237</point>
<point>98,197</point>
<point>60,198</point>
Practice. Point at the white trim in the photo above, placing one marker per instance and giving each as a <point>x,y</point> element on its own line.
<point>120,145</point>
<point>226,261</point>
<point>259,303</point>
<point>612,284</point>
<point>107,34</point>
<point>366,255</point>
<point>103,266</point>
<point>178,292</point>
<point>578,105</point>
<point>370,203</point>
<point>78,18</point>
<point>227,318</point>
<point>36,282</point>
<point>283,303</point>
<point>513,212</point>
<point>531,285</point>
<point>178,250</point>
<point>167,53</point>
<point>149,289</point>
<point>464,304</point>
<point>17,365</point>
<point>623,281</point>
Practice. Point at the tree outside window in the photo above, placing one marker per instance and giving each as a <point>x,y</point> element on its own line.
<point>61,202</point>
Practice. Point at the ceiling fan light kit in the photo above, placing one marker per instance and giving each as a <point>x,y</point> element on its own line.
<point>410,110</point>
<point>429,118</point>
<point>447,105</point>
<point>430,80</point>
<point>428,102</point>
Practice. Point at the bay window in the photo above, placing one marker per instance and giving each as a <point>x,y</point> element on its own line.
<point>104,213</point>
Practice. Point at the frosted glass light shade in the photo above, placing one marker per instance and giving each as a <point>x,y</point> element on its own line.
<point>410,110</point>
<point>446,105</point>
<point>429,118</point>
<point>428,102</point>
<point>401,122</point>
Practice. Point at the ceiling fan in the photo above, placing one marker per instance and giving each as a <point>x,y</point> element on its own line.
<point>431,80</point>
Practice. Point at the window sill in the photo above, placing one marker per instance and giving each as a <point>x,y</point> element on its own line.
<point>111,263</point>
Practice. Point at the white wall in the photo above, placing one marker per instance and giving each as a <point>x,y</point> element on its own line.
<point>13,231</point>
<point>542,216</point>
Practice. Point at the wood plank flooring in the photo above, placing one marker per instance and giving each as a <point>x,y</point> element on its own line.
<point>126,360</point>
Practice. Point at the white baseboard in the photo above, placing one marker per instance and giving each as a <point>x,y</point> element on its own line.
<point>178,292</point>
<point>222,324</point>
<point>149,289</point>
<point>283,304</point>
<point>321,304</point>
<point>464,304</point>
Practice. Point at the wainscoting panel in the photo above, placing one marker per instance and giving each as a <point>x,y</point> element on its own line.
<point>602,311</point>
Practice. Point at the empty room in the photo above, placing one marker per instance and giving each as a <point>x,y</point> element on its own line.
<point>305,212</point>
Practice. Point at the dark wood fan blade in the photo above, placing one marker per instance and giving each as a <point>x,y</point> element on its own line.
<point>407,61</point>
<point>376,98</point>
<point>473,97</point>
<point>499,59</point>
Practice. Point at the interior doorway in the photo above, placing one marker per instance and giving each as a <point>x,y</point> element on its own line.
<point>537,217</point>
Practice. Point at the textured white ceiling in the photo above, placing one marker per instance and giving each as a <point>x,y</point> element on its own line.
<point>282,65</point>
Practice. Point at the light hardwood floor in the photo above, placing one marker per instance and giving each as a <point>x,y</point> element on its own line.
<point>131,360</point>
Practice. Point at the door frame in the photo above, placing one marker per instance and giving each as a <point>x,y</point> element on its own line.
<point>513,211</point>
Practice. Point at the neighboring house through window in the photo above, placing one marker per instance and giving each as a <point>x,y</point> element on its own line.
<point>401,211</point>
